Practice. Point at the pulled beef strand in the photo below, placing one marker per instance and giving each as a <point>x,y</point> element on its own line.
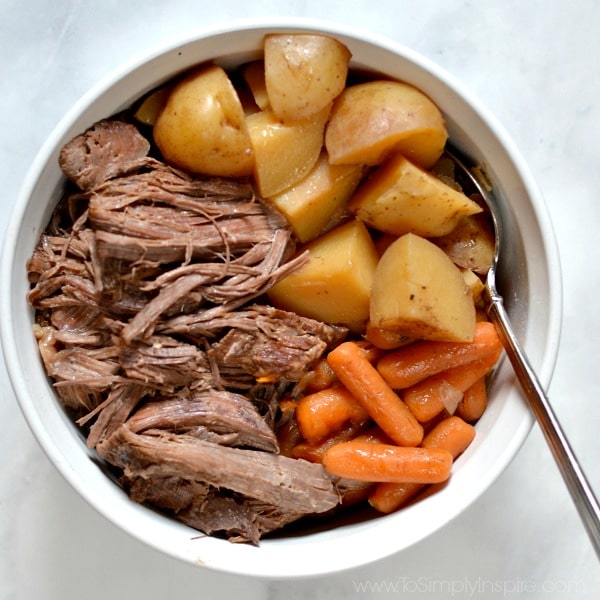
<point>218,410</point>
<point>146,286</point>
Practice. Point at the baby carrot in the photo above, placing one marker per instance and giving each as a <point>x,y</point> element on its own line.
<point>386,497</point>
<point>451,434</point>
<point>365,383</point>
<point>323,377</point>
<point>411,364</point>
<point>372,353</point>
<point>384,339</point>
<point>325,412</point>
<point>366,461</point>
<point>474,401</point>
<point>429,397</point>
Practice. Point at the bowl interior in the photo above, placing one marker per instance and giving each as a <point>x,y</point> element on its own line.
<point>528,279</point>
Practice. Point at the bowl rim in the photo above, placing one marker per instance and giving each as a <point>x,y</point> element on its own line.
<point>245,560</point>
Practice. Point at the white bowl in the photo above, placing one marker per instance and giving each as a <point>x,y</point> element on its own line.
<point>529,280</point>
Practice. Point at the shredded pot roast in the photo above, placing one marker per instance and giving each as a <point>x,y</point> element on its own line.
<point>148,287</point>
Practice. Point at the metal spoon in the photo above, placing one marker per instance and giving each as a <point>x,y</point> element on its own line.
<point>574,477</point>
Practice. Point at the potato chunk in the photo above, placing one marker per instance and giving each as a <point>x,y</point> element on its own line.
<point>399,198</point>
<point>254,75</point>
<point>471,243</point>
<point>318,200</point>
<point>284,152</point>
<point>202,127</point>
<point>335,285</point>
<point>149,109</point>
<point>371,120</point>
<point>420,293</point>
<point>476,286</point>
<point>303,73</point>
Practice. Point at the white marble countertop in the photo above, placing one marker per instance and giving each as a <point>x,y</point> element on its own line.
<point>535,65</point>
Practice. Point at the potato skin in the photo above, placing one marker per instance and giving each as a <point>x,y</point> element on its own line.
<point>284,153</point>
<point>386,124</point>
<point>202,127</point>
<point>399,197</point>
<point>371,120</point>
<point>303,73</point>
<point>471,243</point>
<point>254,76</point>
<point>420,293</point>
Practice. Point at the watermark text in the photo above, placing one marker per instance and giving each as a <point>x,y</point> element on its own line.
<point>469,587</point>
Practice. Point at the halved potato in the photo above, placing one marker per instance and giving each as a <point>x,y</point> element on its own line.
<point>399,198</point>
<point>303,73</point>
<point>318,200</point>
<point>202,127</point>
<point>371,120</point>
<point>420,293</point>
<point>284,152</point>
<point>335,285</point>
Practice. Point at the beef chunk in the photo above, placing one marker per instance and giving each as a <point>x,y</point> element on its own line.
<point>108,149</point>
<point>276,484</point>
<point>239,518</point>
<point>166,363</point>
<point>269,343</point>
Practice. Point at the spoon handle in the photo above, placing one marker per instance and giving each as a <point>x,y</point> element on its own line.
<point>574,477</point>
